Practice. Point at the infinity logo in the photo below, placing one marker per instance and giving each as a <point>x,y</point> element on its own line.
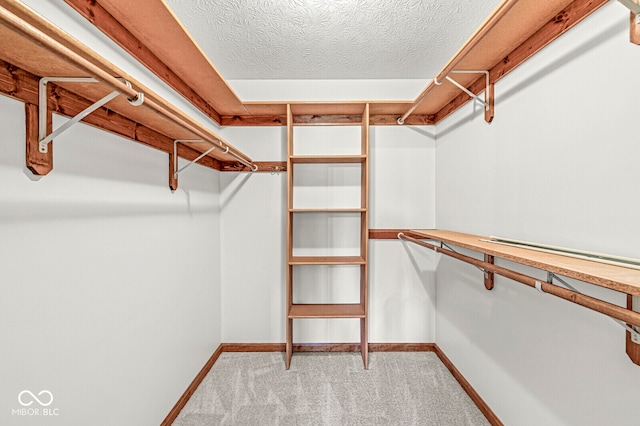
<point>26,404</point>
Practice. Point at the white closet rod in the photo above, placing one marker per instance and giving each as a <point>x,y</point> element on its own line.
<point>31,32</point>
<point>482,31</point>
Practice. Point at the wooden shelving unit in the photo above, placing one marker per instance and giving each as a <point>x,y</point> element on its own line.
<point>618,278</point>
<point>329,310</point>
<point>526,28</point>
<point>33,48</point>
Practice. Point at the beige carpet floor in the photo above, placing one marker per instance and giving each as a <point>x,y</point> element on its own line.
<point>400,388</point>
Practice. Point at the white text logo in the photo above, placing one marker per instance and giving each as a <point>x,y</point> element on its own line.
<point>35,405</point>
<point>30,401</point>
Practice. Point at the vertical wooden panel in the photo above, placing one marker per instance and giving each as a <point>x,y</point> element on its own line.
<point>39,163</point>
<point>364,184</point>
<point>364,232</point>
<point>289,267</point>
<point>634,29</point>
<point>289,344</point>
<point>364,341</point>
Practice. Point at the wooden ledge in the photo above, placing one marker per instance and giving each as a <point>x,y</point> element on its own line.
<point>616,278</point>
<point>528,27</point>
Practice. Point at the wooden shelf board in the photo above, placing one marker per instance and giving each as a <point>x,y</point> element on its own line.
<point>329,210</point>
<point>332,159</point>
<point>327,108</point>
<point>617,278</point>
<point>327,260</point>
<point>153,24</point>
<point>326,311</point>
<point>26,54</point>
<point>528,26</point>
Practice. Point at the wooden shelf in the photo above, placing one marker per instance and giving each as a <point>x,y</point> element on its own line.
<point>326,311</point>
<point>617,278</point>
<point>329,210</point>
<point>168,50</point>
<point>32,47</point>
<point>624,279</point>
<point>327,260</point>
<point>332,159</point>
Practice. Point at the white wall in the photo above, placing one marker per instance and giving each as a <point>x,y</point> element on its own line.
<point>253,237</point>
<point>402,289</point>
<point>109,283</point>
<point>558,165</point>
<point>253,211</point>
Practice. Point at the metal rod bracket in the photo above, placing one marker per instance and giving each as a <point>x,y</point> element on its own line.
<point>488,101</point>
<point>485,101</point>
<point>43,138</point>
<point>177,171</point>
<point>633,330</point>
<point>468,92</point>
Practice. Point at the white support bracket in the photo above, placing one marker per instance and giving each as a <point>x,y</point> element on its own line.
<point>43,138</point>
<point>632,5</point>
<point>633,330</point>
<point>488,101</point>
<point>484,102</point>
<point>177,171</point>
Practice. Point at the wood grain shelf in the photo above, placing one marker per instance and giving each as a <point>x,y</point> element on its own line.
<point>625,279</point>
<point>332,159</point>
<point>37,48</point>
<point>326,311</point>
<point>329,210</point>
<point>163,45</point>
<point>616,278</point>
<point>327,260</point>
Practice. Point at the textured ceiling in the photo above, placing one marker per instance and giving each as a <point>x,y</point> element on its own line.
<point>330,39</point>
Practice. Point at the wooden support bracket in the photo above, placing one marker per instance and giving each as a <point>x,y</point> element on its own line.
<point>39,163</point>
<point>489,111</point>
<point>634,28</point>
<point>173,179</point>
<point>488,276</point>
<point>633,348</point>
